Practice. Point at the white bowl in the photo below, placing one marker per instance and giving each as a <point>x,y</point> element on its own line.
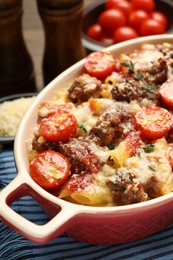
<point>97,225</point>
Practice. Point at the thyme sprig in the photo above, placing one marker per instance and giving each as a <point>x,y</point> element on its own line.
<point>139,76</point>
<point>149,148</point>
<point>151,168</point>
<point>130,65</point>
<point>83,127</point>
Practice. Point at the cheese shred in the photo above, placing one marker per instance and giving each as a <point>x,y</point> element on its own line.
<point>11,113</point>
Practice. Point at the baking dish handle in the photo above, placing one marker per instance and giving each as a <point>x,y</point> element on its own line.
<point>36,233</point>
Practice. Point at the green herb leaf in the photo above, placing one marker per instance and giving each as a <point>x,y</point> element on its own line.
<point>149,148</point>
<point>139,76</point>
<point>111,146</point>
<point>130,65</point>
<point>151,168</point>
<point>149,88</point>
<point>83,127</point>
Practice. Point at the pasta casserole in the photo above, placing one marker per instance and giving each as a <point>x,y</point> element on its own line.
<point>107,138</point>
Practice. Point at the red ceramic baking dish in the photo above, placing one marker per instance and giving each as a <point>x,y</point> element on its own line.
<point>96,225</point>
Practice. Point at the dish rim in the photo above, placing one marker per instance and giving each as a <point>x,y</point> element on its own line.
<point>54,85</point>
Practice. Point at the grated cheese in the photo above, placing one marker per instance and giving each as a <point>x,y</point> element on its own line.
<point>11,113</point>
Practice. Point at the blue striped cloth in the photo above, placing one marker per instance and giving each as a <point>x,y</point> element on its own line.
<point>14,247</point>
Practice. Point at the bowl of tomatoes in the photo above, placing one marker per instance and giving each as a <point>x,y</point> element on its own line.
<point>107,22</point>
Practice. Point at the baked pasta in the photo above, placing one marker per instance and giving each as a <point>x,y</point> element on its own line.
<point>107,139</point>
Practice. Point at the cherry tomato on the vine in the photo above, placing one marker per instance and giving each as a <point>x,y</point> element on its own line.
<point>124,33</point>
<point>153,122</point>
<point>110,20</point>
<point>49,169</point>
<point>58,126</point>
<point>100,64</point>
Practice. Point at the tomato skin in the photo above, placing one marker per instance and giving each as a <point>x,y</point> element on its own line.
<point>122,5</point>
<point>160,17</point>
<point>153,122</point>
<point>109,3</point>
<point>166,92</point>
<point>151,27</point>
<point>100,64</point>
<point>58,126</point>
<point>147,5</point>
<point>124,33</point>
<point>136,18</point>
<point>95,32</point>
<point>49,169</point>
<point>110,20</point>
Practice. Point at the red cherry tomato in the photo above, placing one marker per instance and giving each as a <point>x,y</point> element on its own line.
<point>58,126</point>
<point>122,5</point>
<point>110,20</point>
<point>153,122</point>
<point>151,27</point>
<point>147,5</point>
<point>95,32</point>
<point>160,17</point>
<point>49,169</point>
<point>166,92</point>
<point>110,3</point>
<point>136,18</point>
<point>100,64</point>
<point>124,33</point>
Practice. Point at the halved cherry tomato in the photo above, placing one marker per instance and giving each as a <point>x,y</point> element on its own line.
<point>58,126</point>
<point>110,20</point>
<point>49,169</point>
<point>153,122</point>
<point>100,64</point>
<point>124,33</point>
<point>166,92</point>
<point>147,5</point>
